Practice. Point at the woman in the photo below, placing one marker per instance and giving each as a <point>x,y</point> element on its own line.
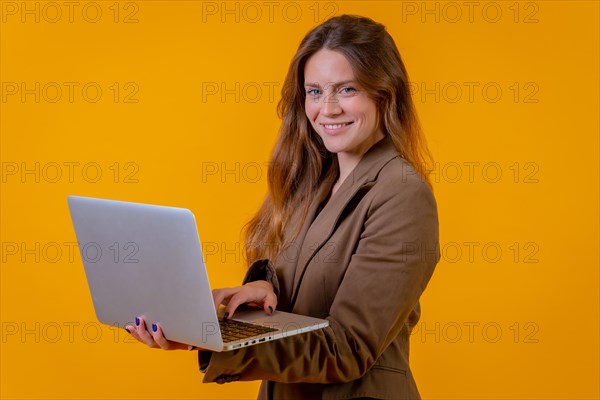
<point>347,232</point>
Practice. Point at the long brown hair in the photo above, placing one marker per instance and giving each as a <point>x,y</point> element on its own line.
<point>300,162</point>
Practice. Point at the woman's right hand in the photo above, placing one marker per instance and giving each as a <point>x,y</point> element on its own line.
<point>259,293</point>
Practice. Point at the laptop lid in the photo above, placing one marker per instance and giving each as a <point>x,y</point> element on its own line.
<point>146,260</point>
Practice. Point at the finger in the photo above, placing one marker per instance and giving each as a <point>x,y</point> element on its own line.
<point>143,334</point>
<point>159,338</point>
<point>133,332</point>
<point>234,302</point>
<point>270,303</point>
<point>222,296</point>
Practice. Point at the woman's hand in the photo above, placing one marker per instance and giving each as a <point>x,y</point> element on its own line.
<point>155,340</point>
<point>258,293</point>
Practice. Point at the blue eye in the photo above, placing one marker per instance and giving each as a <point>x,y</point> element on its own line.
<point>313,92</point>
<point>348,90</point>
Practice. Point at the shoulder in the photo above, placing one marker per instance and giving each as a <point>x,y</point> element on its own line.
<point>402,207</point>
<point>398,181</point>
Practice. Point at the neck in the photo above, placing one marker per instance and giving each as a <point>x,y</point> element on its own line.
<point>346,164</point>
<point>348,161</point>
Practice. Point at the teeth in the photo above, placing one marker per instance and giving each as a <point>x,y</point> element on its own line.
<point>336,126</point>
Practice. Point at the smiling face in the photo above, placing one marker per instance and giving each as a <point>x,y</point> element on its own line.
<point>338,108</point>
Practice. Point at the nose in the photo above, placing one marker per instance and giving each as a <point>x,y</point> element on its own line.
<point>330,106</point>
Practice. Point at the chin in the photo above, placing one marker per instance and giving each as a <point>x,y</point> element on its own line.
<point>333,146</point>
<point>334,149</point>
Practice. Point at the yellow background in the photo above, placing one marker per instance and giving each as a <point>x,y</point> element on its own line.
<point>518,324</point>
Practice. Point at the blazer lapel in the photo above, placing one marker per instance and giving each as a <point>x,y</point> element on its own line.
<point>288,260</point>
<point>315,233</point>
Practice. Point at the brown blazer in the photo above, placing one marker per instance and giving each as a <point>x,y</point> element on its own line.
<point>362,263</point>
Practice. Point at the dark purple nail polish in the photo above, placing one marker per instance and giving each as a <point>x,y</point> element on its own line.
<point>137,321</point>
<point>154,328</point>
<point>271,308</point>
<point>127,330</point>
<point>226,315</point>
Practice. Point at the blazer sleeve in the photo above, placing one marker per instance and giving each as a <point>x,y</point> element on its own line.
<point>391,266</point>
<point>259,270</point>
<point>262,270</point>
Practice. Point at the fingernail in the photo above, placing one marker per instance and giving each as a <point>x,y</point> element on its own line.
<point>190,347</point>
<point>127,330</point>
<point>137,321</point>
<point>271,308</point>
<point>154,328</point>
<point>226,315</point>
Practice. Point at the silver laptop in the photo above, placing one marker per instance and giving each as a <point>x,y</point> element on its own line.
<point>146,260</point>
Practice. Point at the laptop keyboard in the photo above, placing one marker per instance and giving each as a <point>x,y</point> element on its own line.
<point>232,330</point>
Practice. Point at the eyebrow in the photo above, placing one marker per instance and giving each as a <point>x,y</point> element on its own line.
<point>334,84</point>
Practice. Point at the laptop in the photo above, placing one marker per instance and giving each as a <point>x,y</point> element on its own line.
<point>146,260</point>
